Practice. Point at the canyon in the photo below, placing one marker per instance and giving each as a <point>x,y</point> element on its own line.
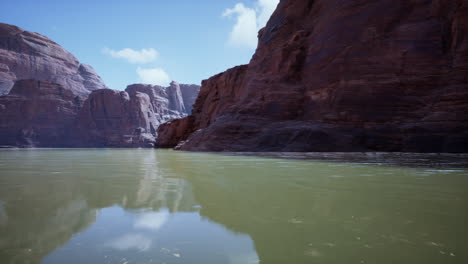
<point>49,99</point>
<point>327,76</point>
<point>331,75</point>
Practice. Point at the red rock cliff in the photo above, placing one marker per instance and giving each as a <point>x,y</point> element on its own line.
<point>29,55</point>
<point>332,75</point>
<point>38,114</point>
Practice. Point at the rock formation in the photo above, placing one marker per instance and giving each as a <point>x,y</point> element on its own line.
<point>47,106</point>
<point>170,102</point>
<point>28,55</point>
<point>332,75</point>
<point>112,118</point>
<point>189,95</point>
<point>37,114</point>
<point>43,114</point>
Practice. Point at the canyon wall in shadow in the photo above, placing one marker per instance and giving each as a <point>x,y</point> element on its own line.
<point>332,75</point>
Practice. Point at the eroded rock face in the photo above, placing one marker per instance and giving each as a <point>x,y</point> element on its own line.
<point>28,55</point>
<point>112,118</point>
<point>216,96</point>
<point>168,102</point>
<point>50,109</point>
<point>189,95</point>
<point>42,114</point>
<point>37,114</point>
<point>174,95</point>
<point>332,75</point>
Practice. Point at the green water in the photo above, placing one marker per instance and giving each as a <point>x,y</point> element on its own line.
<point>154,206</point>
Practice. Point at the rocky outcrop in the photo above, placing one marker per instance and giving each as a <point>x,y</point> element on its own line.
<point>170,102</point>
<point>28,55</point>
<point>174,95</point>
<point>189,95</point>
<point>43,114</point>
<point>37,114</point>
<point>47,106</point>
<point>175,132</point>
<point>216,96</point>
<point>112,118</point>
<point>332,75</point>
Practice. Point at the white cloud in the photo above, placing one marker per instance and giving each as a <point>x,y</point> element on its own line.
<point>155,76</point>
<point>133,56</point>
<point>130,241</point>
<point>249,21</point>
<point>152,221</point>
<point>244,32</point>
<point>266,8</point>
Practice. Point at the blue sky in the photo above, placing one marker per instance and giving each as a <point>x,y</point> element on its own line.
<point>147,41</point>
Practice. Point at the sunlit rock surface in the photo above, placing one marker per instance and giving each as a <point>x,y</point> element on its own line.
<point>49,104</point>
<point>29,55</point>
<point>170,102</point>
<point>130,118</point>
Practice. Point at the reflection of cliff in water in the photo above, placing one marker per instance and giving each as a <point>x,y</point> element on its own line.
<point>42,210</point>
<point>36,232</point>
<point>136,181</point>
<point>321,210</point>
<point>325,208</point>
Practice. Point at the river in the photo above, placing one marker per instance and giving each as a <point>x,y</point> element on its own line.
<point>160,206</point>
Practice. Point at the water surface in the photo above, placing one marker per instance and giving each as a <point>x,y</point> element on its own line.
<point>158,206</point>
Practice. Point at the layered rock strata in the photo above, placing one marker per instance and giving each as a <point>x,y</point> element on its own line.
<point>38,114</point>
<point>111,118</point>
<point>49,104</point>
<point>130,118</point>
<point>43,114</point>
<point>332,75</point>
<point>29,55</point>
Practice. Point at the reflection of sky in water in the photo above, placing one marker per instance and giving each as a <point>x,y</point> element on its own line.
<point>120,236</point>
<point>152,221</point>
<point>295,211</point>
<point>131,241</point>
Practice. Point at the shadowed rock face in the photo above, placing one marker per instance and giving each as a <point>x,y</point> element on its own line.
<point>28,55</point>
<point>332,75</point>
<point>37,114</point>
<point>112,118</point>
<point>43,114</point>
